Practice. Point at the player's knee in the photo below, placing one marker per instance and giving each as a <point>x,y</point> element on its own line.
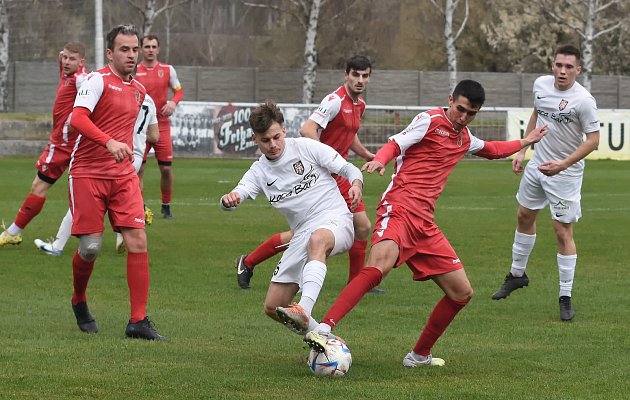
<point>89,247</point>
<point>320,243</point>
<point>270,310</point>
<point>362,228</point>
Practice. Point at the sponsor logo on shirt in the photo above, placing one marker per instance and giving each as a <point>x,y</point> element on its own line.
<point>113,87</point>
<point>307,182</point>
<point>441,132</point>
<point>347,111</point>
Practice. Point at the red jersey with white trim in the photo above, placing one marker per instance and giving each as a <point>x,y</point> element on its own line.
<point>340,119</point>
<point>114,104</point>
<point>158,80</point>
<point>429,151</point>
<point>62,134</point>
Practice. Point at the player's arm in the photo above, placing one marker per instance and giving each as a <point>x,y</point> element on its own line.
<point>353,175</point>
<point>517,163</point>
<point>359,149</point>
<point>501,149</point>
<point>387,153</point>
<point>178,94</point>
<point>81,121</point>
<point>247,188</point>
<point>309,129</point>
<point>551,168</point>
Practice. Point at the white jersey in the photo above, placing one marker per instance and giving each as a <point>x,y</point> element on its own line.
<point>569,114</point>
<point>146,117</point>
<point>299,184</point>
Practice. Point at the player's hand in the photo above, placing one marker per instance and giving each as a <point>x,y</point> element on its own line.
<point>169,108</point>
<point>231,200</point>
<point>537,134</point>
<point>372,166</point>
<point>517,163</point>
<point>119,150</point>
<point>369,156</point>
<point>355,194</point>
<point>551,168</point>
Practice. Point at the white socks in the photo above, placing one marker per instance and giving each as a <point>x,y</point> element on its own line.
<point>521,249</point>
<point>14,229</point>
<point>64,232</point>
<point>312,281</point>
<point>566,270</point>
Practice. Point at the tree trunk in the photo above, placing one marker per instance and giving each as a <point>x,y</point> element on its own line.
<point>149,17</point>
<point>449,39</point>
<point>587,45</point>
<point>310,53</point>
<point>4,56</point>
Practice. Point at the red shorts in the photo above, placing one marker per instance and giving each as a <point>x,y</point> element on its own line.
<point>344,185</point>
<point>422,245</point>
<point>90,198</point>
<point>164,146</point>
<point>53,161</point>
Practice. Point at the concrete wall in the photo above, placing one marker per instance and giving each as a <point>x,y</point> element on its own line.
<point>32,86</point>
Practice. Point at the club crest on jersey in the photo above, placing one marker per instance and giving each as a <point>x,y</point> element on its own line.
<point>298,167</point>
<point>138,100</point>
<point>160,74</point>
<point>563,104</point>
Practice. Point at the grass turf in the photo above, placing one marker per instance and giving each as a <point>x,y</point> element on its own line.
<point>222,346</point>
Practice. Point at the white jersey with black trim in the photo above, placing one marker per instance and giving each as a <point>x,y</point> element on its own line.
<point>146,117</point>
<point>298,183</point>
<point>569,114</point>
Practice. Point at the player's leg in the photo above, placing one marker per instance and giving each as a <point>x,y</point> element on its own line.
<point>148,213</point>
<point>30,208</point>
<point>166,187</point>
<point>358,251</point>
<point>82,267</point>
<point>279,294</point>
<point>567,260</point>
<point>531,198</point>
<point>55,248</point>
<point>383,256</point>
<point>245,264</point>
<point>458,293</point>
<point>125,212</point>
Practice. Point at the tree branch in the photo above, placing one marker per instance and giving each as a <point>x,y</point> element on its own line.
<point>565,22</point>
<point>612,28</point>
<point>461,28</point>
<point>440,9</point>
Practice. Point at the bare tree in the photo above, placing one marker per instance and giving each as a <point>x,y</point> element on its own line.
<point>151,10</point>
<point>447,9</point>
<point>582,17</point>
<point>4,56</point>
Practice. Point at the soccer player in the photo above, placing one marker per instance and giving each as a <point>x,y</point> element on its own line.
<point>102,179</point>
<point>146,131</point>
<point>294,176</point>
<point>554,174</point>
<point>335,123</point>
<point>426,152</point>
<point>158,78</point>
<point>56,156</point>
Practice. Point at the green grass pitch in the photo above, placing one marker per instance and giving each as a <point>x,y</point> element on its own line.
<point>222,346</point>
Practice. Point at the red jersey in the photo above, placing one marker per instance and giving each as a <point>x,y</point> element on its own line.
<point>340,119</point>
<point>114,105</point>
<point>429,151</point>
<point>158,80</point>
<point>62,134</point>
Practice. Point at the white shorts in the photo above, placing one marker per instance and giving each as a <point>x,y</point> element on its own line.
<point>137,161</point>
<point>561,193</point>
<point>291,265</point>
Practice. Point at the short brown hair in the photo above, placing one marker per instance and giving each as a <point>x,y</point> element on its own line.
<point>150,37</point>
<point>569,50</point>
<point>75,47</point>
<point>264,115</point>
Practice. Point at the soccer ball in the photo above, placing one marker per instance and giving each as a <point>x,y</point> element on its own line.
<point>335,362</point>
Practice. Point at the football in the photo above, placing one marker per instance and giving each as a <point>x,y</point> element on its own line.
<point>335,362</point>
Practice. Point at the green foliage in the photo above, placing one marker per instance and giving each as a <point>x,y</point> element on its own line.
<point>222,346</point>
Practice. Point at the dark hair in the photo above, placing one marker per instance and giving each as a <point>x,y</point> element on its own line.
<point>358,63</point>
<point>569,50</point>
<point>472,90</point>
<point>127,29</point>
<point>264,115</point>
<point>75,47</point>
<point>150,37</point>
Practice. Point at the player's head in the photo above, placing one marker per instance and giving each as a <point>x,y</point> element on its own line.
<point>150,47</point>
<point>267,122</point>
<point>72,57</point>
<point>122,49</point>
<point>566,66</point>
<point>357,76</point>
<point>465,103</point>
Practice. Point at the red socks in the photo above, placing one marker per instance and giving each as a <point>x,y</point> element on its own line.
<point>138,283</point>
<point>166,197</point>
<point>268,249</point>
<point>81,271</point>
<point>350,296</point>
<point>29,210</point>
<point>357,258</point>
<point>440,318</point>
